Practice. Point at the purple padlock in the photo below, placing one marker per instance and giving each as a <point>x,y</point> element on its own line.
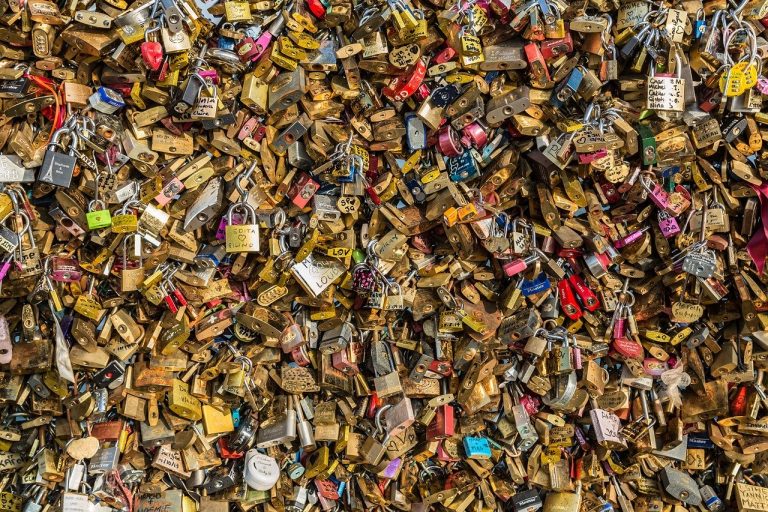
<point>762,84</point>
<point>65,270</point>
<point>237,219</point>
<point>668,224</point>
<point>363,279</point>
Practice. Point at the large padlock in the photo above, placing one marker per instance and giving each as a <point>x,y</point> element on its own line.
<point>58,167</point>
<point>666,92</point>
<point>242,237</point>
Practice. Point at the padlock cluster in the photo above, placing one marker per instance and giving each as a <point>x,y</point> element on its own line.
<point>416,255</point>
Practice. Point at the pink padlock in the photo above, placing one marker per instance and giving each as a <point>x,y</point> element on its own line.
<point>5,267</point>
<point>209,75</point>
<point>476,135</point>
<point>629,239</point>
<point>659,196</point>
<point>514,267</point>
<point>576,358</point>
<point>654,367</point>
<point>668,224</point>
<point>248,127</point>
<point>530,403</point>
<point>628,348</point>
<point>262,43</point>
<point>586,158</point>
<point>260,46</point>
<point>618,328</point>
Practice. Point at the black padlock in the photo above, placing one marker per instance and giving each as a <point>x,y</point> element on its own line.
<point>111,376</point>
<point>185,99</point>
<point>58,167</point>
<point>14,88</point>
<point>526,501</point>
<point>220,479</point>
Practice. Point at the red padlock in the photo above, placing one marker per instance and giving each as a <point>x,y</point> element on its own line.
<point>302,190</point>
<point>317,8</point>
<point>444,56</point>
<point>553,48</point>
<point>587,296</point>
<point>402,87</point>
<point>539,70</point>
<point>152,51</point>
<point>443,425</point>
<point>568,300</point>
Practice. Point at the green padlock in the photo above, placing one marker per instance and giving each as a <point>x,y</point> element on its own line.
<point>98,219</point>
<point>358,256</point>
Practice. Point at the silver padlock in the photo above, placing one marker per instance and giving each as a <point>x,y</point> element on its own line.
<point>680,485</point>
<point>527,435</point>
<point>278,430</point>
<point>206,206</point>
<point>666,93</point>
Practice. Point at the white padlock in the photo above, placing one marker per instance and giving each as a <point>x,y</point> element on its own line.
<point>261,471</point>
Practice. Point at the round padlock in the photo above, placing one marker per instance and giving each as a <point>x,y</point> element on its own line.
<point>261,471</point>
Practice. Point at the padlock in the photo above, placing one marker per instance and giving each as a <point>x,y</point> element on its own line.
<point>152,50</point>
<point>242,237</point>
<point>58,167</point>
<point>280,430</point>
<point>680,485</point>
<point>98,218</point>
<point>666,93</point>
<point>261,471</point>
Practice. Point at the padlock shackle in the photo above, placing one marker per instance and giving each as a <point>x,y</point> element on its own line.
<point>247,175</point>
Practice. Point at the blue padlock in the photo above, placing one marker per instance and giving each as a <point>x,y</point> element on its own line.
<point>226,43</point>
<point>444,96</point>
<point>415,187</point>
<point>462,167</point>
<point>700,25</point>
<point>567,88</point>
<point>537,285</point>
<point>415,132</point>
<point>477,448</point>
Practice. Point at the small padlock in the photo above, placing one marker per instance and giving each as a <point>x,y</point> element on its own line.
<point>98,219</point>
<point>668,224</point>
<point>151,49</point>
<point>132,278</point>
